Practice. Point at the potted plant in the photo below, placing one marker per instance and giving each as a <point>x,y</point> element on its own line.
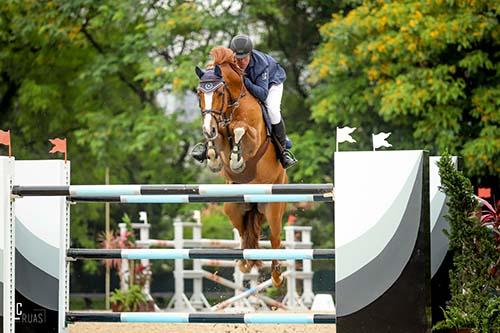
<point>130,300</point>
<point>475,243</point>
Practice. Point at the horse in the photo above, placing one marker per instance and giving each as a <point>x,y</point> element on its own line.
<point>239,147</point>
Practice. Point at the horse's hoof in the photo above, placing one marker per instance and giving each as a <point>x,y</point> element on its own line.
<point>244,266</point>
<point>237,167</point>
<point>214,162</point>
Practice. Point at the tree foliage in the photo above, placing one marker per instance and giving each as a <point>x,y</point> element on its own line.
<point>428,71</point>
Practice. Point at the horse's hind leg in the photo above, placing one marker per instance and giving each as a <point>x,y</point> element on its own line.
<point>274,215</point>
<point>236,212</point>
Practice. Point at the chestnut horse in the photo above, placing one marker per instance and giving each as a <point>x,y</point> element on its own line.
<point>240,148</point>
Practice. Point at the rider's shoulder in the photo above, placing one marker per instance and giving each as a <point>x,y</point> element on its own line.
<point>260,57</point>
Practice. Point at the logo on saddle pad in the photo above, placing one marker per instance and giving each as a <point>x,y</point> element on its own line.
<point>264,76</point>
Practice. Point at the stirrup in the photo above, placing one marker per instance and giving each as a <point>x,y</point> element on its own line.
<point>199,152</point>
<point>288,160</point>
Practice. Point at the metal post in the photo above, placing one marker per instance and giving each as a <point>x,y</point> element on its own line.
<point>7,234</point>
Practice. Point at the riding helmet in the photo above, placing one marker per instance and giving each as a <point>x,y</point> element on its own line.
<point>241,45</point>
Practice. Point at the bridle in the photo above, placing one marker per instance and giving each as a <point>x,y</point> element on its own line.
<point>222,119</point>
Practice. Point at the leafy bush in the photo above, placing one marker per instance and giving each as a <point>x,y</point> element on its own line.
<point>474,280</point>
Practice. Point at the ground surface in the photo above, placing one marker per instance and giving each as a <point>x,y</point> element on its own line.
<point>197,328</point>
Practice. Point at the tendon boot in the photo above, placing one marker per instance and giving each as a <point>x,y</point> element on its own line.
<point>285,156</point>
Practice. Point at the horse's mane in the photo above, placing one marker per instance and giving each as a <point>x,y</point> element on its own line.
<point>222,55</point>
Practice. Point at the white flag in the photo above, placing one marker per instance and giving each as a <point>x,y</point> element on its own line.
<point>344,134</point>
<point>379,140</point>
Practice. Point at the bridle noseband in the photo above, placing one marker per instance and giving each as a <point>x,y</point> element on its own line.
<point>213,84</point>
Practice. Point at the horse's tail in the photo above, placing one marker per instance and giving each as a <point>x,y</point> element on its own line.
<point>252,221</point>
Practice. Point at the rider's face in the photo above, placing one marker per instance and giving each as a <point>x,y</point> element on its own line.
<point>243,62</point>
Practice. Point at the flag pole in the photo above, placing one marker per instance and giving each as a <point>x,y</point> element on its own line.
<point>337,139</point>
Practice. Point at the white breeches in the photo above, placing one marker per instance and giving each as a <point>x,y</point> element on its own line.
<point>273,103</point>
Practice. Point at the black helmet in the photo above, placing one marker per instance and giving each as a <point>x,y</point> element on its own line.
<point>241,45</point>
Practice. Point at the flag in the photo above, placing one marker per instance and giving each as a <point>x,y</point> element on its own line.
<point>5,140</point>
<point>484,192</point>
<point>379,140</point>
<point>59,146</point>
<point>344,134</point>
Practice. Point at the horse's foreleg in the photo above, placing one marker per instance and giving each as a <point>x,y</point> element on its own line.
<point>274,214</point>
<point>213,159</point>
<point>237,163</point>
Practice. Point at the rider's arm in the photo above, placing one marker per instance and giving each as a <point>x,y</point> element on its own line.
<point>260,88</point>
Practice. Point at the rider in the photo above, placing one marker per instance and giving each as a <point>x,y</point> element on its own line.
<point>264,79</point>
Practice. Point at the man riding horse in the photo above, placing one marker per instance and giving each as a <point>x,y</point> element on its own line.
<point>264,79</point>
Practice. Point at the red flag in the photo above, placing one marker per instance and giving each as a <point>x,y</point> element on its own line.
<point>5,139</point>
<point>59,146</point>
<point>484,192</point>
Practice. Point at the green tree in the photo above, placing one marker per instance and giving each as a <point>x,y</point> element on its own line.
<point>92,71</point>
<point>428,71</point>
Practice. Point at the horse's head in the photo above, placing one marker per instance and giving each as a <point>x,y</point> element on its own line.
<point>213,99</point>
<point>220,89</point>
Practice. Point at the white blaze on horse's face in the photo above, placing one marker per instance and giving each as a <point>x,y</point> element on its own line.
<point>209,131</point>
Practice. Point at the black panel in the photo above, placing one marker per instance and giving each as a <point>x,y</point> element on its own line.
<point>34,318</point>
<point>216,318</point>
<point>324,319</point>
<point>216,254</point>
<point>93,317</point>
<point>324,254</point>
<point>441,288</point>
<point>170,189</point>
<point>302,188</point>
<point>41,190</point>
<point>216,198</point>
<point>94,253</point>
<point>81,198</point>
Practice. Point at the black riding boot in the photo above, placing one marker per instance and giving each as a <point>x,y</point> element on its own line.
<point>199,152</point>
<point>286,157</point>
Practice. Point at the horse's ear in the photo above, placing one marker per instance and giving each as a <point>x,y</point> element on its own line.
<point>199,72</point>
<point>217,71</point>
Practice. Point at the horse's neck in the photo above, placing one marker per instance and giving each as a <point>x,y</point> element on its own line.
<point>233,80</point>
